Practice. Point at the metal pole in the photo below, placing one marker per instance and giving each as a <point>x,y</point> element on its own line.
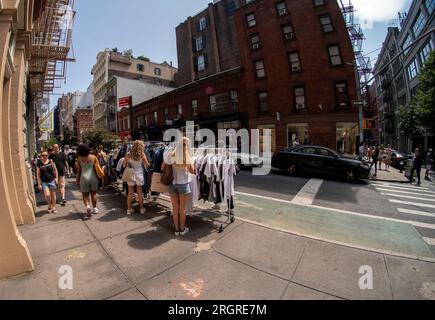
<point>360,104</point>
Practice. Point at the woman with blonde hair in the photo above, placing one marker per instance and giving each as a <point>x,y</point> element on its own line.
<point>137,160</point>
<point>182,168</point>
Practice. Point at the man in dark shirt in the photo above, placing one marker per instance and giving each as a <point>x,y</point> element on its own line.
<point>418,162</point>
<point>62,167</point>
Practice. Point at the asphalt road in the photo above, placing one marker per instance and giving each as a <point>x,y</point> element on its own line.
<point>390,200</point>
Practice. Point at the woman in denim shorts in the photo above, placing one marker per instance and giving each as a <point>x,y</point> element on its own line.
<point>46,174</point>
<point>182,166</point>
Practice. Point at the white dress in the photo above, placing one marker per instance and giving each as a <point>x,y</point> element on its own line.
<point>139,179</point>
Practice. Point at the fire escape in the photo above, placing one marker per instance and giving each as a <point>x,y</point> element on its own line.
<point>357,37</point>
<point>51,44</point>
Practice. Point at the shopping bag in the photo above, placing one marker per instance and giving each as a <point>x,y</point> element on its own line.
<point>157,185</point>
<point>129,175</point>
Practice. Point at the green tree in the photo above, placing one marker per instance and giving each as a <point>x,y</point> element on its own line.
<point>410,118</point>
<point>50,143</point>
<point>128,53</point>
<point>68,137</point>
<point>99,137</point>
<point>425,97</point>
<point>143,58</point>
<point>115,50</point>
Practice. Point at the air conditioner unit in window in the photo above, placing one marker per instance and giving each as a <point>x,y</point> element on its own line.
<point>282,11</point>
<point>300,106</point>
<point>288,36</point>
<point>296,68</point>
<point>255,46</point>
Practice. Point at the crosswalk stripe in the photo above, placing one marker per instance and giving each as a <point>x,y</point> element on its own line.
<point>399,187</point>
<point>407,197</point>
<point>308,193</point>
<point>424,205</point>
<point>416,212</point>
<point>429,241</point>
<point>421,193</point>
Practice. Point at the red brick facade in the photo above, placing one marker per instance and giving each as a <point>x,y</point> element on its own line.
<point>323,78</point>
<point>83,122</point>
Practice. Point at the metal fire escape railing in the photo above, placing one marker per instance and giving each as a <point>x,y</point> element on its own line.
<point>357,37</point>
<point>51,44</point>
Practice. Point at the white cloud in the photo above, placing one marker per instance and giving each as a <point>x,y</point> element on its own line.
<point>371,11</point>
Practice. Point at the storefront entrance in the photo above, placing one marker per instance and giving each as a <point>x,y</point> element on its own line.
<point>297,132</point>
<point>347,137</point>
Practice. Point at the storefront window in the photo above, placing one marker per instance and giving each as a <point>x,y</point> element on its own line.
<point>297,134</point>
<point>261,138</point>
<point>347,137</point>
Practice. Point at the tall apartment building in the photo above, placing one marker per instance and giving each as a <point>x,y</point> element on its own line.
<point>397,84</point>
<point>110,63</point>
<point>295,76</point>
<point>207,43</point>
<point>74,99</point>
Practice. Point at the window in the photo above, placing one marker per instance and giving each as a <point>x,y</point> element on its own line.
<point>198,44</point>
<point>418,25</point>
<point>195,108</point>
<point>430,6</point>
<point>307,150</point>
<point>288,32</point>
<point>295,63</point>
<point>255,41</point>
<point>318,3</point>
<point>179,109</point>
<point>156,117</point>
<point>300,101</point>
<point>325,152</point>
<point>166,113</point>
<point>230,7</point>
<point>250,20</point>
<point>425,52</point>
<point>334,55</point>
<point>201,63</point>
<point>406,44</point>
<point>260,72</point>
<point>212,100</point>
<point>281,8</point>
<point>326,23</point>
<point>202,23</point>
<point>412,69</point>
<point>234,98</point>
<point>157,71</point>
<point>146,120</point>
<point>219,103</point>
<point>140,122</point>
<point>341,95</point>
<point>158,82</point>
<point>263,103</point>
<point>140,67</point>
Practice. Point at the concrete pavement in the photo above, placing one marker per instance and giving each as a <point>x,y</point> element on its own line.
<point>113,256</point>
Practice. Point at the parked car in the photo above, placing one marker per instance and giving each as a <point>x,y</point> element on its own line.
<point>398,160</point>
<point>319,160</point>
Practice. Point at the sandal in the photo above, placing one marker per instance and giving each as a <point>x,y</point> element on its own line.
<point>54,211</point>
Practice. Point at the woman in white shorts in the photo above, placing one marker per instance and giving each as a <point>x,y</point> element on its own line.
<point>137,160</point>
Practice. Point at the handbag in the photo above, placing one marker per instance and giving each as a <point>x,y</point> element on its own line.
<point>98,170</point>
<point>128,175</point>
<point>157,185</point>
<point>167,175</point>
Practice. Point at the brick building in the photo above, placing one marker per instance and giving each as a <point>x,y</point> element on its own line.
<point>83,122</point>
<point>295,77</point>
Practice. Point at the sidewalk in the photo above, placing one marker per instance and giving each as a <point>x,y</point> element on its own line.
<point>118,257</point>
<point>392,175</point>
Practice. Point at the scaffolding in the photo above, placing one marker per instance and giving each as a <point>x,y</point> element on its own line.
<point>51,44</point>
<point>357,38</point>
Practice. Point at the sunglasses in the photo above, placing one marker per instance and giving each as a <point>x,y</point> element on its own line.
<point>45,155</point>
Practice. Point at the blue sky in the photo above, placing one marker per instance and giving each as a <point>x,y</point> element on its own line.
<point>148,27</point>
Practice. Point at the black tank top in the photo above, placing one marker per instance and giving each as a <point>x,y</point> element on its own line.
<point>46,171</point>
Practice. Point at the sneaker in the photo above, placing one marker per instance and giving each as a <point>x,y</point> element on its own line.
<point>142,211</point>
<point>129,212</point>
<point>186,231</point>
<point>177,233</point>
<point>88,212</point>
<point>63,202</point>
<point>95,211</point>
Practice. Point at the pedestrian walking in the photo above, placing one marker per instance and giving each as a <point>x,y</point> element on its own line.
<point>375,159</point>
<point>60,160</point>
<point>388,152</point>
<point>361,151</point>
<point>418,162</point>
<point>381,157</point>
<point>180,190</point>
<point>87,179</point>
<point>103,160</point>
<point>46,175</point>
<point>429,163</point>
<point>136,160</point>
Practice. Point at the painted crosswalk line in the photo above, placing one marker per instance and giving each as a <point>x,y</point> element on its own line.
<point>400,187</point>
<point>308,193</point>
<point>416,204</point>
<point>407,197</point>
<point>421,193</point>
<point>416,212</point>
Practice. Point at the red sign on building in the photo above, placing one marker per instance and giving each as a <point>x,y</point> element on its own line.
<point>124,102</point>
